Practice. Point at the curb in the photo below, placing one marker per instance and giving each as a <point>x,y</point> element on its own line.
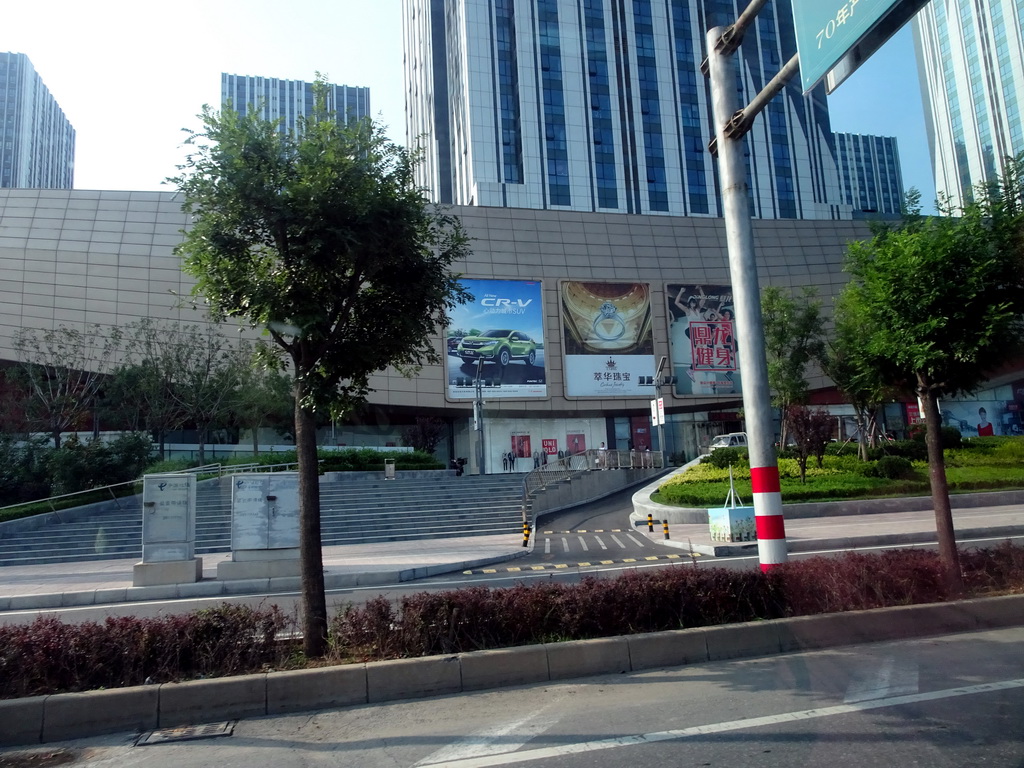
<point>844,543</point>
<point>41,719</point>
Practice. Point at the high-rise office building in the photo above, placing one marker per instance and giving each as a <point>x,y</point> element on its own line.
<point>971,64</point>
<point>600,105</point>
<point>869,174</point>
<point>290,99</point>
<point>37,143</point>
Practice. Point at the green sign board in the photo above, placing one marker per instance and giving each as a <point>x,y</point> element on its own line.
<point>827,29</point>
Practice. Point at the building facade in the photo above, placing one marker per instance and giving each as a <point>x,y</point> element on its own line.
<point>971,64</point>
<point>870,178</point>
<point>600,105</point>
<point>289,100</point>
<point>37,142</point>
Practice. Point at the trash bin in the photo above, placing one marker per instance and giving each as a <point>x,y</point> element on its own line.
<point>389,469</point>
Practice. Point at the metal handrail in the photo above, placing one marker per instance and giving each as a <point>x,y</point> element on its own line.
<point>52,499</point>
<point>575,464</point>
<point>219,469</point>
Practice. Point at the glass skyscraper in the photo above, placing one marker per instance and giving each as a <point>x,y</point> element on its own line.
<point>869,174</point>
<point>37,142</point>
<point>971,63</point>
<point>289,99</point>
<point>600,105</point>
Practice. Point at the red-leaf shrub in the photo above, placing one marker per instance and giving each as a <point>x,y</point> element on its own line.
<point>49,656</point>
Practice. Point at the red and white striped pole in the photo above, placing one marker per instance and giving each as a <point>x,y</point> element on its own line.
<point>771,528</point>
<point>764,468</point>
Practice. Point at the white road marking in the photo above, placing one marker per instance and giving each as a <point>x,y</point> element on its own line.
<point>890,678</point>
<point>565,544</point>
<point>601,542</point>
<point>497,739</point>
<point>583,544</point>
<point>618,541</point>
<point>734,725</point>
<point>547,546</point>
<point>636,540</point>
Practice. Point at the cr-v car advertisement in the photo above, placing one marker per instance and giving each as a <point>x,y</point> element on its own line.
<point>498,338</point>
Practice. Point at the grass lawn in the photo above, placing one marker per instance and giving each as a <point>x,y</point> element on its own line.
<point>983,464</point>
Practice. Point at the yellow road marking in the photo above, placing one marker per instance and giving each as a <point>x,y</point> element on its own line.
<point>581,565</point>
<point>513,569</point>
<point>562,565</point>
<point>489,570</point>
<point>629,560</point>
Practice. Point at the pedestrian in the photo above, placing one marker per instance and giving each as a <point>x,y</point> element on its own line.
<point>602,457</point>
<point>536,458</point>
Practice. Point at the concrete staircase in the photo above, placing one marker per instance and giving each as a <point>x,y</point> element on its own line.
<point>353,511</point>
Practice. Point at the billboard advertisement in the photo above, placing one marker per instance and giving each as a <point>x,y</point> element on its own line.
<point>702,340</point>
<point>608,340</point>
<point>498,336</point>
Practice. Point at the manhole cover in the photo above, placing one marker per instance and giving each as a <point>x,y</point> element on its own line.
<point>187,733</point>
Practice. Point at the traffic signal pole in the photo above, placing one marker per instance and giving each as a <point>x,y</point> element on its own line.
<point>764,470</point>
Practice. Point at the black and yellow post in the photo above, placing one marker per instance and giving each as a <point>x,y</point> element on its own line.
<point>526,534</point>
<point>650,523</point>
<point>665,526</point>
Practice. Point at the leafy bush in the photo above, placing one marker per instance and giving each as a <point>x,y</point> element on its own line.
<point>78,466</point>
<point>23,469</point>
<point>891,468</point>
<point>723,458</point>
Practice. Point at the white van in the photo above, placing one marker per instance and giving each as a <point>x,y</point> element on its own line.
<point>730,440</point>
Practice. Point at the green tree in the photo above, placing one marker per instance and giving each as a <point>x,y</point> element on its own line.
<point>263,399</point>
<point>425,434</point>
<point>63,369</point>
<point>940,300</point>
<point>793,333</point>
<point>848,362</point>
<point>141,389</point>
<point>323,240</point>
<point>207,370</point>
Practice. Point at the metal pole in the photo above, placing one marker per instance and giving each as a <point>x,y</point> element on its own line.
<point>478,406</point>
<point>764,469</point>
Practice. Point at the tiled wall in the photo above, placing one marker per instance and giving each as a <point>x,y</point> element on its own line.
<point>77,257</point>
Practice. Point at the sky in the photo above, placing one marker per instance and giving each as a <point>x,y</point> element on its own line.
<point>130,75</point>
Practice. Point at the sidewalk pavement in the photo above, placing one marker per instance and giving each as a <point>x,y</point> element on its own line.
<point>102,582</point>
<point>99,582</point>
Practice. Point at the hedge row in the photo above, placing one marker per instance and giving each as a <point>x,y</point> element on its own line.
<point>48,656</point>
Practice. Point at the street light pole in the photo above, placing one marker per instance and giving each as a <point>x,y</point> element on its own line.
<point>764,469</point>
<point>478,417</point>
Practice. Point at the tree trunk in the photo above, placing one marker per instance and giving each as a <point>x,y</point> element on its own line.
<point>202,446</point>
<point>940,490</point>
<point>314,600</point>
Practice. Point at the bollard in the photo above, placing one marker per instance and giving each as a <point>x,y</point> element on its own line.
<point>526,534</point>
<point>665,526</point>
<point>650,523</point>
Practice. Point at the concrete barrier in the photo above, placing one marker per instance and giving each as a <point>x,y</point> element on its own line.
<point>667,649</point>
<point>76,715</point>
<point>300,690</point>
<point>413,678</point>
<point>581,658</point>
<point>504,666</point>
<point>222,698</point>
<point>22,721</point>
<point>733,641</point>
<point>37,719</point>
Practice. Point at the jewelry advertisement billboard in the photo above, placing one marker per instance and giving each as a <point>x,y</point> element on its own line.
<point>609,345</point>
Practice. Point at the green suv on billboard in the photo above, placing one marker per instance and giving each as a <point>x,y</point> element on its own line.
<point>498,346</point>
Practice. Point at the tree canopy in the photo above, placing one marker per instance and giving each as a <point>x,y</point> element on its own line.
<point>938,302</point>
<point>321,239</point>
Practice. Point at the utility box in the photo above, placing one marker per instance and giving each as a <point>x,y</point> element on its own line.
<point>389,469</point>
<point>168,517</point>
<point>264,526</point>
<point>168,532</point>
<point>732,524</point>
